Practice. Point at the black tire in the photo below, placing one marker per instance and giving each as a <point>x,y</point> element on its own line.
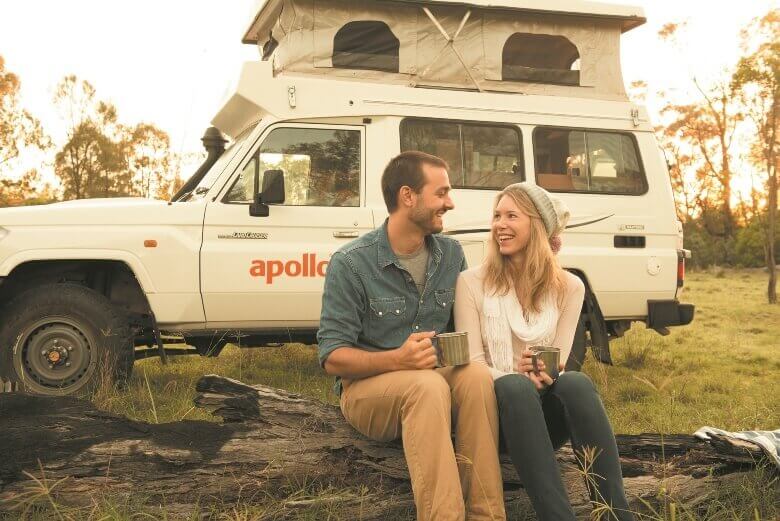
<point>60,339</point>
<point>578,348</point>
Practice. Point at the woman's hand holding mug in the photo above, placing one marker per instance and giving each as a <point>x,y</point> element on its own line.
<point>540,378</point>
<point>525,363</point>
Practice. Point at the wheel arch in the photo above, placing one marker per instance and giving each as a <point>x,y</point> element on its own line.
<point>23,258</point>
<point>113,278</point>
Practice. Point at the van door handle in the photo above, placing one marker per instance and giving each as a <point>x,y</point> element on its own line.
<point>345,235</point>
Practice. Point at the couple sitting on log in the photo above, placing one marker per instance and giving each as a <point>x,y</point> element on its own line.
<point>389,292</point>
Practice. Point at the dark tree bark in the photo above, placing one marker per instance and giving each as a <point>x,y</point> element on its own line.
<point>272,441</point>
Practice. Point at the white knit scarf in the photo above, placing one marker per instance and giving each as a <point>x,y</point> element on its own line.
<point>503,317</point>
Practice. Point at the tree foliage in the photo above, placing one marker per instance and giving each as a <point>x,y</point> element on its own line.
<point>18,128</point>
<point>701,138</point>
<point>92,161</point>
<point>708,126</point>
<point>102,157</point>
<point>29,189</point>
<point>149,158</point>
<point>757,79</point>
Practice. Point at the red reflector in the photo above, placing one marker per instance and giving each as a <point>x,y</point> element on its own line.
<point>680,272</point>
<point>150,243</point>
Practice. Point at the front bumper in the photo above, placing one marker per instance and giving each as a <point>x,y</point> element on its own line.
<point>664,313</point>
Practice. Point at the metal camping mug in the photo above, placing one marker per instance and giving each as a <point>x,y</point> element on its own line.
<point>551,357</point>
<point>452,348</point>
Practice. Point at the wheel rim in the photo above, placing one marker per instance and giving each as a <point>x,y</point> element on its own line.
<point>56,355</point>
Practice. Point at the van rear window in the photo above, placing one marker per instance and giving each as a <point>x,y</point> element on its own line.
<point>591,161</point>
<point>481,156</point>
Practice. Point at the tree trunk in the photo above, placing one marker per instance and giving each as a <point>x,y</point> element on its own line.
<point>276,446</point>
<point>771,236</point>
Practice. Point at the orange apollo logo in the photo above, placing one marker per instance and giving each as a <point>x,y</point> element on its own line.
<point>308,266</point>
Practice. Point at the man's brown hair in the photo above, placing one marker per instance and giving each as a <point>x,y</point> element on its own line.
<point>406,169</point>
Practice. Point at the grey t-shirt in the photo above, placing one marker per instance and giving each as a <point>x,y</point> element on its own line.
<point>416,264</point>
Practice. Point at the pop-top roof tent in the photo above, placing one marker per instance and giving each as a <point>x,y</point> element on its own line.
<point>550,47</point>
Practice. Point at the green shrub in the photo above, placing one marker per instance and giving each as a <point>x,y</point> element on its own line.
<point>706,249</point>
<point>710,247</point>
<point>749,245</point>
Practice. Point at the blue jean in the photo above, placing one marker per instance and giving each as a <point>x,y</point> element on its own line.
<point>534,425</point>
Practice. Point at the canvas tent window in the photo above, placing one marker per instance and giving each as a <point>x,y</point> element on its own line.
<point>540,58</point>
<point>367,45</point>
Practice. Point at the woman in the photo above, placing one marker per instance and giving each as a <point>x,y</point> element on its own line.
<point>520,298</point>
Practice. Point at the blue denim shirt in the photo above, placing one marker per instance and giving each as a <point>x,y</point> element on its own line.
<point>371,302</point>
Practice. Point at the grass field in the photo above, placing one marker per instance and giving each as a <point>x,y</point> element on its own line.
<point>722,371</point>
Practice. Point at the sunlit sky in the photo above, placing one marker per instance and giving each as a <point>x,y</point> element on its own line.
<point>173,62</point>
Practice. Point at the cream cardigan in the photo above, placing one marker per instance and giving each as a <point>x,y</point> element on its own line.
<point>469,295</point>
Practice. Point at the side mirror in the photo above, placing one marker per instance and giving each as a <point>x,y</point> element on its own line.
<point>272,193</point>
<point>273,187</point>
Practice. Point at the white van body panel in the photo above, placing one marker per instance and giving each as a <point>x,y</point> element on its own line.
<point>292,97</point>
<point>116,229</point>
<point>300,239</point>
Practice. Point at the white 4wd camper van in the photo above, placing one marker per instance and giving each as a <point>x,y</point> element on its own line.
<point>504,90</point>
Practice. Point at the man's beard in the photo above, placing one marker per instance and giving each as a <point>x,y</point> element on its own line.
<point>424,218</point>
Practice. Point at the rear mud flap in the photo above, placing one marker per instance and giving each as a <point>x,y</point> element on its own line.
<point>597,328</point>
<point>579,346</point>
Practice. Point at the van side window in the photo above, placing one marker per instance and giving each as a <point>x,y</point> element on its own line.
<point>366,45</point>
<point>481,156</point>
<point>540,58</point>
<point>321,167</point>
<point>572,160</point>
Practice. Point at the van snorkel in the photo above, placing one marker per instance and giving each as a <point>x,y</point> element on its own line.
<point>214,144</point>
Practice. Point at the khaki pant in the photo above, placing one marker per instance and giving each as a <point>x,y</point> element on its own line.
<point>417,406</point>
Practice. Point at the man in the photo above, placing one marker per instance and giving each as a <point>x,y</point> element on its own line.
<point>386,295</point>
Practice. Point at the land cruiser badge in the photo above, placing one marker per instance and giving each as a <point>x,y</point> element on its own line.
<point>244,235</point>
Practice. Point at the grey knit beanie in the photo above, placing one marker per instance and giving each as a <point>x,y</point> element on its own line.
<point>554,212</point>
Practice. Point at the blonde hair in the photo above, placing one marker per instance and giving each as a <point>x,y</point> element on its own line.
<point>539,272</point>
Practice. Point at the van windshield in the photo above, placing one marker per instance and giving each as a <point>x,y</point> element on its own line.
<point>217,168</point>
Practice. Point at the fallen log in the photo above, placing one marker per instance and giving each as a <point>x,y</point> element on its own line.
<point>280,447</point>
